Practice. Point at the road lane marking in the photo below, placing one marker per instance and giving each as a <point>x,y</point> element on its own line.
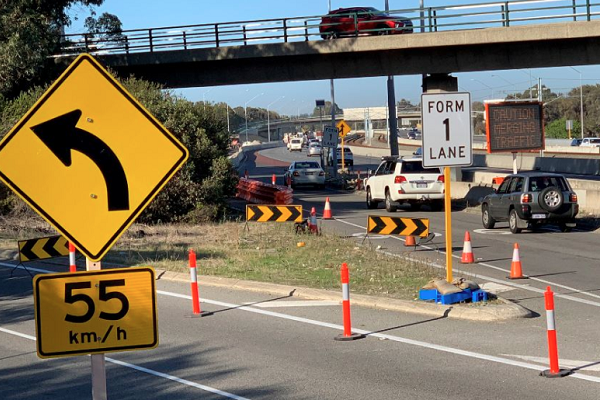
<point>570,364</point>
<point>399,339</point>
<point>147,371</point>
<point>300,303</point>
<point>446,349</point>
<point>525,287</point>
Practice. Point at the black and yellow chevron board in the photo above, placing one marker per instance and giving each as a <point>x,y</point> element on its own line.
<point>398,226</point>
<point>41,248</point>
<point>273,213</point>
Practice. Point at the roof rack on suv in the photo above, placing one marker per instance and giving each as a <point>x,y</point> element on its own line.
<point>391,158</point>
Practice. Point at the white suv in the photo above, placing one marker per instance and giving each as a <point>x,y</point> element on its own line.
<point>590,142</point>
<point>398,180</point>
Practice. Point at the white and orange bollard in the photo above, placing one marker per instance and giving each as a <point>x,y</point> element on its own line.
<point>72,261</point>
<point>246,174</point>
<point>347,335</point>
<point>194,286</point>
<point>312,222</point>
<point>273,180</point>
<point>467,254</point>
<point>554,371</point>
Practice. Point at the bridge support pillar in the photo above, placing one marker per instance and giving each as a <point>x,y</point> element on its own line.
<point>437,83</point>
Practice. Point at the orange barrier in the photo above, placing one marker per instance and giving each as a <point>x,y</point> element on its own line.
<point>258,192</point>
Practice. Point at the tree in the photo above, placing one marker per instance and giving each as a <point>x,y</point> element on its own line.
<point>29,33</point>
<point>106,27</point>
<point>557,129</point>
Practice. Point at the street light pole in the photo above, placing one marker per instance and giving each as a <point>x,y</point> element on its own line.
<point>269,118</point>
<point>580,100</point>
<point>246,112</point>
<point>203,102</point>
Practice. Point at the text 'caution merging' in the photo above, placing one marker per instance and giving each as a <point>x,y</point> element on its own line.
<point>398,226</point>
<point>273,213</point>
<point>42,248</point>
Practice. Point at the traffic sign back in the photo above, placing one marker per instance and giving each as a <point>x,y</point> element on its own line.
<point>88,157</point>
<point>95,312</point>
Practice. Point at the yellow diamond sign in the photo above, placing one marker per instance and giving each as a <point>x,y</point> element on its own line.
<point>95,312</point>
<point>343,128</point>
<point>89,157</point>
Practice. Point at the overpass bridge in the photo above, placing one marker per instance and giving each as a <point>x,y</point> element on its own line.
<point>458,38</point>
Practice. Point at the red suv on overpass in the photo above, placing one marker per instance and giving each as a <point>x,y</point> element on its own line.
<point>362,21</point>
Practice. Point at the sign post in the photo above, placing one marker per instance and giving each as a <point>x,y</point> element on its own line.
<point>447,141</point>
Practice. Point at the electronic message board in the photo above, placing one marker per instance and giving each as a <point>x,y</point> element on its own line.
<point>513,127</point>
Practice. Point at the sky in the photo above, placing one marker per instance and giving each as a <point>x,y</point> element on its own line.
<point>300,96</point>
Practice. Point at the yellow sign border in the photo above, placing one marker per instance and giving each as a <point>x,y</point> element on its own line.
<point>38,321</point>
<point>143,204</point>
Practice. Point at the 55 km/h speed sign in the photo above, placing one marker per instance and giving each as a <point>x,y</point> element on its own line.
<point>95,312</point>
<point>447,134</point>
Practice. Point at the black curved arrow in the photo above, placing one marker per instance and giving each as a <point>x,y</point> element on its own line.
<point>61,135</point>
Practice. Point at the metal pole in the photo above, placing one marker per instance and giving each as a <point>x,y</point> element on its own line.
<point>392,120</point>
<point>98,361</point>
<point>581,103</point>
<point>333,150</point>
<point>448,224</point>
<point>246,119</point>
<point>227,111</point>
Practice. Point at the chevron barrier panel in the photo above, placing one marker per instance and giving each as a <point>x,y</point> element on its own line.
<point>258,192</point>
<point>398,226</point>
<point>273,213</point>
<point>42,248</point>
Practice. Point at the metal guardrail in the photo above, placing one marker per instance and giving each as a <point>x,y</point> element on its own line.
<point>429,19</point>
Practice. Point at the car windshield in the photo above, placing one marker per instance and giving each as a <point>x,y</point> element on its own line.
<point>296,140</point>
<point>416,167</point>
<point>307,164</point>
<point>594,140</point>
<point>539,183</point>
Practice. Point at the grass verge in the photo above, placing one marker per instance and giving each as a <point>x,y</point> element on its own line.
<point>265,252</point>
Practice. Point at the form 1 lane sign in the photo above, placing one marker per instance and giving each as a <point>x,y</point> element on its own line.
<point>95,312</point>
<point>447,134</point>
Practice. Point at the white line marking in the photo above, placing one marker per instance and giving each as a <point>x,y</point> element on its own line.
<point>146,370</point>
<point>524,287</point>
<point>399,339</point>
<point>466,353</point>
<point>283,304</point>
<point>587,365</point>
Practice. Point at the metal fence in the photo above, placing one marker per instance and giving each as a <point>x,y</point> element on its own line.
<point>429,19</point>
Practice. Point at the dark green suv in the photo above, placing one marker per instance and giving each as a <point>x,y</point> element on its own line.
<point>530,199</point>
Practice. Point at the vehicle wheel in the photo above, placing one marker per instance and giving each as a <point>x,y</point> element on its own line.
<point>437,205</point>
<point>370,203</point>
<point>486,218</point>
<point>564,228</point>
<point>389,205</point>
<point>332,35</point>
<point>382,32</point>
<point>513,219</point>
<point>551,199</point>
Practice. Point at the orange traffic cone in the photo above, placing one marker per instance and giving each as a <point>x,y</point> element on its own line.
<point>467,254</point>
<point>327,211</point>
<point>515,268</point>
<point>410,241</point>
<point>273,179</point>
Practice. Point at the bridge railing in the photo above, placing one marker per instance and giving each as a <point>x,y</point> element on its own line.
<point>241,33</point>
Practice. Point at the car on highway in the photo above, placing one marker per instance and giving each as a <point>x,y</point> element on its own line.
<point>418,152</point>
<point>576,142</point>
<point>362,21</point>
<point>295,144</point>
<point>348,156</point>
<point>398,180</point>
<point>590,142</point>
<point>305,173</point>
<point>315,149</point>
<point>529,200</point>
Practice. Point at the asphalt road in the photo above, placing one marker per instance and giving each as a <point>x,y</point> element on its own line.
<point>258,346</point>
